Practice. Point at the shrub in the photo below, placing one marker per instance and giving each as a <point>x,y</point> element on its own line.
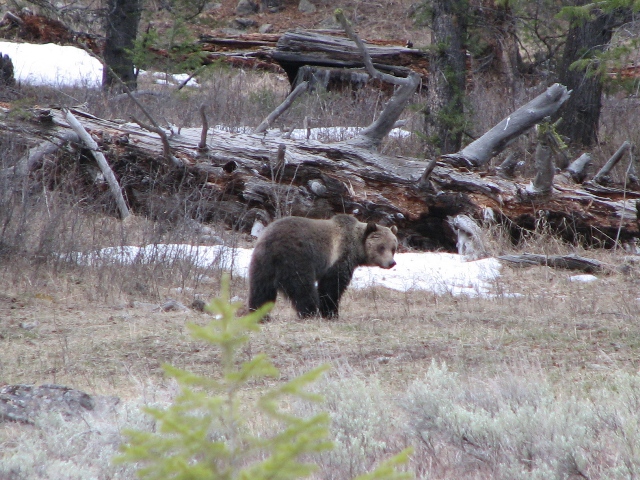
<point>517,427</point>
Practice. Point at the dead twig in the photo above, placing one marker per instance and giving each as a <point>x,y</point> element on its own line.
<point>154,127</point>
<point>366,58</point>
<point>615,158</point>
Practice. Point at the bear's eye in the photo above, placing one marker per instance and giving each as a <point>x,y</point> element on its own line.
<point>393,251</point>
<point>381,249</point>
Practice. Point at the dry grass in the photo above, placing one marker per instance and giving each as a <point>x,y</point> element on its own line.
<point>107,343</point>
<point>58,328</point>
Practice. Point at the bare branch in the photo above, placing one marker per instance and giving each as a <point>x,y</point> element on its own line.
<point>372,136</point>
<point>423,182</point>
<point>125,87</point>
<point>615,158</point>
<point>482,150</point>
<point>196,72</point>
<point>368,64</point>
<point>266,123</point>
<point>114,186</point>
<point>166,148</point>
<point>202,146</point>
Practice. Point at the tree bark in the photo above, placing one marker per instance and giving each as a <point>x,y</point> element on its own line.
<point>581,113</point>
<point>444,114</point>
<point>122,21</point>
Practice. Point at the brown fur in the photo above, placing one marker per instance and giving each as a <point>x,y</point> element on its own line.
<point>312,261</point>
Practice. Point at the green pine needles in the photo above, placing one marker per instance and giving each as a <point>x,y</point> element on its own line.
<point>208,432</point>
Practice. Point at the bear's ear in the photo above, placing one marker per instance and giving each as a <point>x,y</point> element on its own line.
<point>394,230</point>
<point>371,227</point>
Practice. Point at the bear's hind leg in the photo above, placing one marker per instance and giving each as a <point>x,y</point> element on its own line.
<point>261,291</point>
<point>303,293</point>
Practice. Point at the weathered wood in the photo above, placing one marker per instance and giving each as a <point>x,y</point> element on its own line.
<point>545,170</point>
<point>578,168</point>
<point>296,49</point>
<point>114,186</point>
<point>482,150</point>
<point>234,182</point>
<point>508,167</point>
<point>615,158</point>
<point>569,262</point>
<point>366,57</point>
<point>202,146</point>
<point>34,156</point>
<point>470,242</point>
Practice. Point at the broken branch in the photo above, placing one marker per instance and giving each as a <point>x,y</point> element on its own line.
<point>266,123</point>
<point>114,186</point>
<point>615,158</point>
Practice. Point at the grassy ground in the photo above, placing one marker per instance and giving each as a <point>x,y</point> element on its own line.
<point>566,337</point>
<point>60,331</point>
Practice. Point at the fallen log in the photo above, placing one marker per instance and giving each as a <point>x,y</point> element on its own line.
<point>480,151</point>
<point>233,181</point>
<point>294,50</point>
<point>568,262</point>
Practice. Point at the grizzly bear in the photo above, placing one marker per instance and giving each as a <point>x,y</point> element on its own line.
<point>312,261</point>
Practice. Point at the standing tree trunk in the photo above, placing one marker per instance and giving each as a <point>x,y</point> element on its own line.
<point>581,113</point>
<point>122,20</point>
<point>444,116</point>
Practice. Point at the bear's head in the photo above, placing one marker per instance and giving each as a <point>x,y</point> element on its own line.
<point>380,245</point>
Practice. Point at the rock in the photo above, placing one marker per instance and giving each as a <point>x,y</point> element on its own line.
<point>244,23</point>
<point>246,7</point>
<point>198,305</point>
<point>172,305</point>
<point>266,28</point>
<point>305,6</point>
<point>22,403</point>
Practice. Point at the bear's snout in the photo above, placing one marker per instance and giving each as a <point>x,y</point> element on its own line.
<point>391,264</point>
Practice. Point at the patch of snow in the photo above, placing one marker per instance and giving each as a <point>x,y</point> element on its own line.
<point>440,273</point>
<point>332,134</point>
<point>585,278</point>
<point>53,65</point>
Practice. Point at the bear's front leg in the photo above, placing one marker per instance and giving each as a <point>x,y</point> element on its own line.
<point>330,289</point>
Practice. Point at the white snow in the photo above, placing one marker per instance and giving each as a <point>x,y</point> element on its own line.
<point>334,134</point>
<point>53,65</point>
<point>585,278</point>
<point>440,273</point>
